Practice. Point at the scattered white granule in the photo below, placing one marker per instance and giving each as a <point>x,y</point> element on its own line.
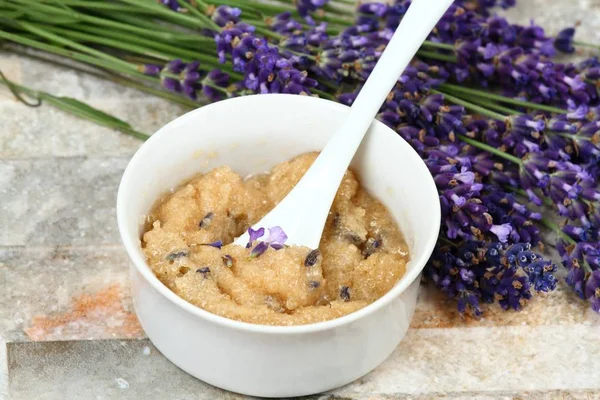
<point>123,384</point>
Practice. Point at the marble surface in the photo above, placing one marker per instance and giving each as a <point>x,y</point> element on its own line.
<point>67,327</point>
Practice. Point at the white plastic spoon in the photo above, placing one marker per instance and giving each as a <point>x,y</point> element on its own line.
<point>303,212</point>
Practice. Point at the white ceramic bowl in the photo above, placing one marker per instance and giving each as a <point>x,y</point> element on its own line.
<point>252,134</point>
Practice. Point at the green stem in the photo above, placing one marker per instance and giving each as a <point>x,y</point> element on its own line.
<point>142,46</point>
<point>165,53</point>
<point>488,104</point>
<point>37,29</point>
<point>436,45</point>
<point>52,12</point>
<point>101,5</point>
<point>242,5</point>
<point>319,15</point>
<point>572,136</point>
<point>278,8</point>
<point>149,26</point>
<point>132,70</point>
<point>153,44</point>
<point>494,106</point>
<point>109,42</point>
<point>202,17</point>
<point>13,87</point>
<point>269,8</point>
<point>553,227</point>
<point>169,14</point>
<point>186,40</point>
<point>500,98</point>
<point>447,241</point>
<point>207,82</point>
<point>59,103</point>
<point>436,56</point>
<point>77,108</point>
<point>584,44</point>
<point>77,56</point>
<point>595,83</point>
<point>471,106</point>
<point>328,84</point>
<point>523,193</point>
<point>323,94</point>
<point>332,15</point>
<point>490,149</point>
<point>202,6</point>
<point>267,33</point>
<point>331,19</point>
<point>170,96</point>
<point>340,9</point>
<point>556,229</point>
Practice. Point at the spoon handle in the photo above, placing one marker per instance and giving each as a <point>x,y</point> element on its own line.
<point>312,197</point>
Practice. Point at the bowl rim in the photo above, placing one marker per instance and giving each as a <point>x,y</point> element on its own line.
<point>131,240</point>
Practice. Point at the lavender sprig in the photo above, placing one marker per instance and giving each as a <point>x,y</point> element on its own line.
<point>476,271</point>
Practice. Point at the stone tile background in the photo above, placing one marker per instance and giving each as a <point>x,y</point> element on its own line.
<point>67,328</point>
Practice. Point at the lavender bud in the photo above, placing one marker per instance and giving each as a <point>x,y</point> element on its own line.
<point>345,293</point>
<point>312,258</point>
<point>227,260</point>
<point>175,255</point>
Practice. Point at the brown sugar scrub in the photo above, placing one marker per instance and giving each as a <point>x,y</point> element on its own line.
<point>361,256</point>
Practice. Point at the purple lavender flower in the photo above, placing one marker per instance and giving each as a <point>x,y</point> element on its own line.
<point>277,237</point>
<point>511,56</point>
<point>212,82</point>
<point>276,240</point>
<point>218,244</point>
<point>484,6</point>
<point>540,272</point>
<point>171,84</point>
<point>474,271</point>
<point>254,235</point>
<point>225,38</point>
<point>172,4</point>
<point>375,8</point>
<point>513,289</point>
<point>265,68</point>
<point>178,76</point>
<point>592,290</point>
<point>305,7</point>
<point>502,232</point>
<point>259,249</point>
<point>190,79</point>
<point>204,271</point>
<point>526,122</point>
<point>152,69</point>
<point>224,15</point>
<point>576,279</point>
<point>564,40</point>
<point>284,24</point>
<point>533,37</point>
<point>175,66</point>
